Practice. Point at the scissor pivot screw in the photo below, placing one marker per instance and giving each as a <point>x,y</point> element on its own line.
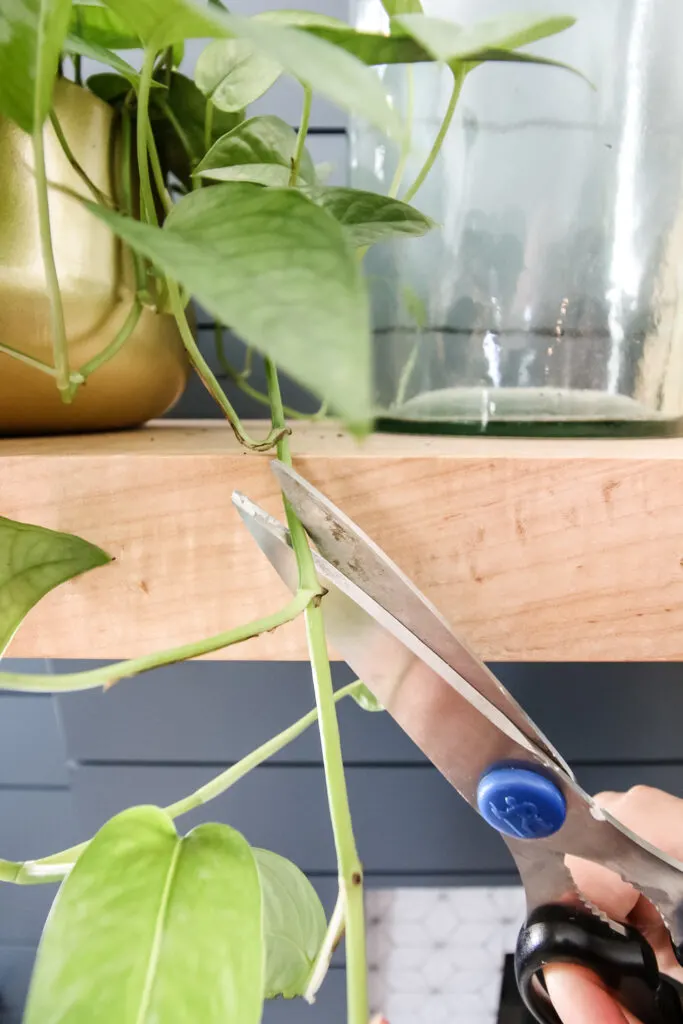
<point>521,802</point>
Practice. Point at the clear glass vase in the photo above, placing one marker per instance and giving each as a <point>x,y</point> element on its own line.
<point>548,300</point>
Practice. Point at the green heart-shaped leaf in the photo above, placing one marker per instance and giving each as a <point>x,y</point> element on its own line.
<point>34,561</point>
<point>448,42</point>
<point>150,928</point>
<point>323,67</point>
<point>293,922</point>
<point>187,106</point>
<point>232,74</point>
<point>369,218</point>
<point>229,245</point>
<point>102,27</point>
<point>259,141</point>
<point>31,36</point>
<point>76,45</point>
<point>369,47</point>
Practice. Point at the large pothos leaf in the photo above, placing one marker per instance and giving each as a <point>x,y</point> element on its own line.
<point>271,175</point>
<point>324,68</point>
<point>369,47</point>
<point>83,48</point>
<point>102,27</point>
<point>34,561</point>
<point>293,922</point>
<point>188,109</point>
<point>149,927</point>
<point>448,42</point>
<point>369,218</point>
<point>233,74</point>
<point>279,270</point>
<point>259,141</point>
<point>31,36</point>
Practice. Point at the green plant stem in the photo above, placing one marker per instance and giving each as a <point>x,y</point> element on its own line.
<point>147,208</point>
<point>405,148</point>
<point>54,867</point>
<point>348,861</point>
<point>208,124</point>
<point>78,71</point>
<point>59,342</point>
<point>36,364</point>
<point>301,136</point>
<point>333,936</point>
<point>256,757</point>
<point>158,173</point>
<point>180,132</point>
<point>459,75</point>
<point>239,379</point>
<point>97,194</point>
<point>210,382</point>
<point>127,193</point>
<point>107,675</point>
<point>117,343</point>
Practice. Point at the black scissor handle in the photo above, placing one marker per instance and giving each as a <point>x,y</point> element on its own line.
<point>622,958</point>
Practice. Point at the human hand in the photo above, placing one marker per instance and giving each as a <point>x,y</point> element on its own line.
<point>578,995</point>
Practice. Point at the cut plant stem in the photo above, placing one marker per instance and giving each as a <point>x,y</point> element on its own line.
<point>53,868</point>
<point>459,75</point>
<point>333,936</point>
<point>107,675</point>
<point>210,382</point>
<point>59,342</point>
<point>348,861</point>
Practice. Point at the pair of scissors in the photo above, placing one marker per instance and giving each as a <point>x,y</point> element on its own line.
<point>478,736</point>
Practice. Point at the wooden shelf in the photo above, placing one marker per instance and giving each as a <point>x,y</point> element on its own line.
<point>536,550</point>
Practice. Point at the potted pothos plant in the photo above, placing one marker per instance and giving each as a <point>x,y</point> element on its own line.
<point>210,204</point>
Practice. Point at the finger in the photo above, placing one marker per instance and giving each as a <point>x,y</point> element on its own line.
<point>579,996</point>
<point>656,816</point>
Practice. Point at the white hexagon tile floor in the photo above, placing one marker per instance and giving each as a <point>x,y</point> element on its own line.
<point>436,955</point>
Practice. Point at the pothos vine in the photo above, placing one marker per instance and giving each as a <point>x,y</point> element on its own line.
<point>144,193</point>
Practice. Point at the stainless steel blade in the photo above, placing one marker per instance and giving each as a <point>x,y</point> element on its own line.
<point>353,553</point>
<point>463,733</point>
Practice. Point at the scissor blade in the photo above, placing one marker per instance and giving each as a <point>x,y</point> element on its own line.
<point>463,734</point>
<point>458,729</point>
<point>344,545</point>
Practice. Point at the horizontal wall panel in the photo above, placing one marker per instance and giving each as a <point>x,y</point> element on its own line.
<point>407,820</point>
<point>23,910</point>
<point>36,823</point>
<point>16,964</point>
<point>215,712</point>
<point>32,750</point>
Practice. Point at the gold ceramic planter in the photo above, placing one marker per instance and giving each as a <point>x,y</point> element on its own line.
<point>95,273</point>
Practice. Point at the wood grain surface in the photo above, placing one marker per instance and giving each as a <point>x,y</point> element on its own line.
<point>536,550</point>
